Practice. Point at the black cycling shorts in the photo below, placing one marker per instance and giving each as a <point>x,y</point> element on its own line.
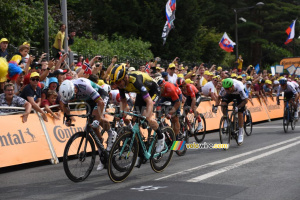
<point>188,101</point>
<point>230,97</point>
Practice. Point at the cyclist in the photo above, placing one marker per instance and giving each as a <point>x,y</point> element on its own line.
<point>290,92</point>
<point>233,89</point>
<point>147,92</point>
<point>170,92</point>
<point>193,99</point>
<point>96,97</point>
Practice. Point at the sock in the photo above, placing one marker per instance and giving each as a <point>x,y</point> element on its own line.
<point>159,134</point>
<point>241,130</point>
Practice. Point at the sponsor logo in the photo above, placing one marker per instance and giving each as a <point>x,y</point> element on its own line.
<point>63,134</point>
<point>21,137</point>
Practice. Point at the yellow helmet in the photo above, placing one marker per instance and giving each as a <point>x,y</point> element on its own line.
<point>118,73</point>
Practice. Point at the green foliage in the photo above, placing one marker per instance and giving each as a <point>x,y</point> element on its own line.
<point>118,45</point>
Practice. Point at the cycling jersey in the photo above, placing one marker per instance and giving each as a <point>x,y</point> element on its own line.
<point>171,91</point>
<point>142,84</point>
<point>239,89</point>
<point>191,91</point>
<point>290,88</point>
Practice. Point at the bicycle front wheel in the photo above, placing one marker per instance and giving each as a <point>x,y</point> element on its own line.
<point>224,131</point>
<point>200,134</point>
<point>247,122</point>
<point>79,157</point>
<point>160,161</point>
<point>122,157</point>
<point>286,120</point>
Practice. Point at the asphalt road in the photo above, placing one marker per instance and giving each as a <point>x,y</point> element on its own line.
<point>266,166</point>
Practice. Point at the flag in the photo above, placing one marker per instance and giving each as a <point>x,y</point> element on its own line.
<point>226,43</point>
<point>87,68</point>
<point>147,68</point>
<point>291,32</point>
<point>257,68</point>
<point>170,15</point>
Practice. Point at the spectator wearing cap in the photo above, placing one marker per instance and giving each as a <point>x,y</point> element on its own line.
<point>189,81</point>
<point>34,67</point>
<point>165,75</point>
<point>233,76</point>
<point>9,99</point>
<point>32,93</point>
<point>172,77</point>
<point>219,70</point>
<point>276,86</point>
<point>3,48</point>
<point>267,87</point>
<point>27,56</point>
<point>53,85</point>
<point>209,89</point>
<point>130,69</point>
<point>59,40</point>
<point>259,91</point>
<point>60,74</point>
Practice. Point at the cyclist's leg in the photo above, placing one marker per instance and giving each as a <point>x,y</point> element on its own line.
<point>241,120</point>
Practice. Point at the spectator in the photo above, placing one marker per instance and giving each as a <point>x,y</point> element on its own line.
<point>8,99</point>
<point>143,68</point>
<point>59,40</point>
<point>209,89</point>
<point>19,84</point>
<point>172,77</point>
<point>50,101</point>
<point>53,85</point>
<point>60,75</point>
<point>80,62</point>
<point>19,57</point>
<point>165,75</point>
<point>240,63</point>
<point>27,56</point>
<point>3,48</point>
<point>32,93</point>
<point>131,69</point>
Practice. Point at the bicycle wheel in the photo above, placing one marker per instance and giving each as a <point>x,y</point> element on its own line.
<point>286,120</point>
<point>160,161</point>
<point>182,136</point>
<point>122,157</point>
<point>234,126</point>
<point>292,119</point>
<point>247,122</point>
<point>224,131</point>
<point>79,157</point>
<point>200,135</point>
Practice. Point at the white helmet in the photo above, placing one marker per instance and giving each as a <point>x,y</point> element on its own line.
<point>106,87</point>
<point>66,90</point>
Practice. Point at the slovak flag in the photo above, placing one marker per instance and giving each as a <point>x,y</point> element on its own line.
<point>87,68</point>
<point>226,43</point>
<point>291,32</point>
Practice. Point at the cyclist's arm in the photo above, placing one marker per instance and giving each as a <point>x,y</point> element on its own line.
<point>243,103</point>
<point>193,104</point>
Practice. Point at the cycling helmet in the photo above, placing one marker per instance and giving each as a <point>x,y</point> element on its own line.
<point>106,87</point>
<point>282,81</point>
<point>118,73</point>
<point>160,81</point>
<point>66,90</point>
<point>227,83</point>
<point>180,81</point>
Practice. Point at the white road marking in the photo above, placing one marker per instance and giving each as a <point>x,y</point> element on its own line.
<point>268,127</point>
<point>238,164</point>
<point>227,159</point>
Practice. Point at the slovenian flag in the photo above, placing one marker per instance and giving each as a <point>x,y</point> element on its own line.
<point>291,32</point>
<point>226,43</point>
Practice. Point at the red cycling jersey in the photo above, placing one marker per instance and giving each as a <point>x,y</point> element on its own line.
<point>171,91</point>
<point>191,90</point>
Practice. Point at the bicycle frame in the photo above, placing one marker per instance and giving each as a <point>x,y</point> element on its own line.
<point>136,131</point>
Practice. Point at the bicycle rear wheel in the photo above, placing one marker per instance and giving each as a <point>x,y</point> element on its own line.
<point>122,157</point>
<point>247,122</point>
<point>200,135</point>
<point>79,157</point>
<point>224,131</point>
<point>234,126</point>
<point>286,120</point>
<point>292,119</point>
<point>160,161</point>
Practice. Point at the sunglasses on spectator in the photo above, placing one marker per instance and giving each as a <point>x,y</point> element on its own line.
<point>9,90</point>
<point>35,79</point>
<point>172,68</point>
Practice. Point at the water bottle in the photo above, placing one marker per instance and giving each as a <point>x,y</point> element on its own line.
<point>95,124</point>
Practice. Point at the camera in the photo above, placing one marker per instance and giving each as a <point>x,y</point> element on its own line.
<point>97,65</point>
<point>177,59</point>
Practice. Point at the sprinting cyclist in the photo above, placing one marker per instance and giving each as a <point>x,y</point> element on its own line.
<point>233,89</point>
<point>193,99</point>
<point>96,97</point>
<point>290,92</point>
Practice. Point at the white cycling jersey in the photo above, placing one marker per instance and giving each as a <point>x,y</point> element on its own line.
<point>238,89</point>
<point>289,88</point>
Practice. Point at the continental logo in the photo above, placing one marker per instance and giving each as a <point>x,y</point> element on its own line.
<point>18,138</point>
<point>255,109</point>
<point>63,134</point>
<point>209,114</point>
<point>273,107</point>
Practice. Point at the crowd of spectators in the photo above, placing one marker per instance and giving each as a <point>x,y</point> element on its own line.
<point>38,84</point>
